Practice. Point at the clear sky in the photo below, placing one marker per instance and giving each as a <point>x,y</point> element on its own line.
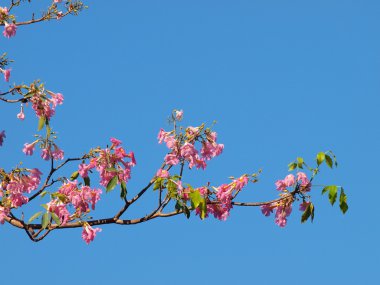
<point>282,79</point>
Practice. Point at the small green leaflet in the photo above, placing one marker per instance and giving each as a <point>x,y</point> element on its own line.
<point>300,162</point>
<point>329,161</point>
<point>41,123</point>
<point>309,212</point>
<point>320,158</point>
<point>333,193</point>
<point>112,184</point>
<point>87,181</point>
<point>292,166</point>
<point>196,198</point>
<point>45,220</point>
<point>74,175</point>
<point>343,201</point>
<point>123,193</point>
<point>35,216</point>
<point>56,219</point>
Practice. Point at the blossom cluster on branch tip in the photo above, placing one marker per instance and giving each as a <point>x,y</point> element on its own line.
<point>182,145</point>
<point>283,207</point>
<point>16,184</point>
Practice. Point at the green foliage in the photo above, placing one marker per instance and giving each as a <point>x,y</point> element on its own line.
<point>35,216</point>
<point>123,193</point>
<point>308,213</point>
<point>343,201</point>
<point>45,220</point>
<point>112,183</point>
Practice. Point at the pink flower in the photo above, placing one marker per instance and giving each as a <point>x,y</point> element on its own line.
<point>280,185</point>
<point>28,148</point>
<point>45,154</point>
<point>60,210</point>
<point>88,233</point>
<point>178,115</point>
<point>84,168</point>
<point>304,205</point>
<point>2,137</point>
<point>116,142</point>
<point>241,182</point>
<point>171,159</point>
<point>281,215</point>
<point>57,1</point>
<point>56,99</point>
<point>266,209</point>
<point>4,11</point>
<point>57,153</point>
<point>9,30</point>
<point>4,212</point>
<point>21,115</point>
<point>162,173</point>
<point>289,180</point>
<point>7,74</point>
<point>304,181</point>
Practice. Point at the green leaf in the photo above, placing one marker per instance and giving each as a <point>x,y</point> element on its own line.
<point>203,208</point>
<point>333,193</point>
<point>329,161</point>
<point>111,169</point>
<point>43,194</point>
<point>320,158</point>
<point>309,212</point>
<point>292,166</point>
<point>157,184</point>
<point>56,219</point>
<point>172,188</point>
<point>35,216</point>
<point>186,211</point>
<point>196,198</point>
<point>45,206</point>
<point>87,181</point>
<point>45,220</point>
<point>123,193</point>
<point>343,201</point>
<point>41,123</point>
<point>74,175</point>
<point>299,162</point>
<point>112,184</point>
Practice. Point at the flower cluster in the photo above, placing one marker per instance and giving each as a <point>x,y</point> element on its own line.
<point>283,207</point>
<point>80,197</point>
<point>89,233</point>
<point>49,150</point>
<point>44,106</point>
<point>182,146</point>
<point>17,184</point>
<point>110,162</point>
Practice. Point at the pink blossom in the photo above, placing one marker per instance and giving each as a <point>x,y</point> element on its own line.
<point>192,131</point>
<point>57,153</point>
<point>4,10</point>
<point>304,181</point>
<point>57,1</point>
<point>266,209</point>
<point>280,185</point>
<point>116,142</point>
<point>28,148</point>
<point>179,115</point>
<point>60,210</point>
<point>171,159</point>
<point>131,155</point>
<point>282,213</point>
<point>241,182</point>
<point>57,99</point>
<point>202,190</point>
<point>304,205</point>
<point>2,137</point>
<point>162,173</point>
<point>83,169</point>
<point>188,150</point>
<point>35,173</point>
<point>4,212</point>
<point>18,199</point>
<point>289,180</point>
<point>89,233</point>
<point>45,154</point>
<point>9,30</point>
<point>21,115</point>
<point>7,74</point>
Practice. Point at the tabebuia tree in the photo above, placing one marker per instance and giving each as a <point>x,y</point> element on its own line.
<point>69,199</point>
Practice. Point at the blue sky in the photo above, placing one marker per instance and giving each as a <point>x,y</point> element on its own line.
<point>282,79</point>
